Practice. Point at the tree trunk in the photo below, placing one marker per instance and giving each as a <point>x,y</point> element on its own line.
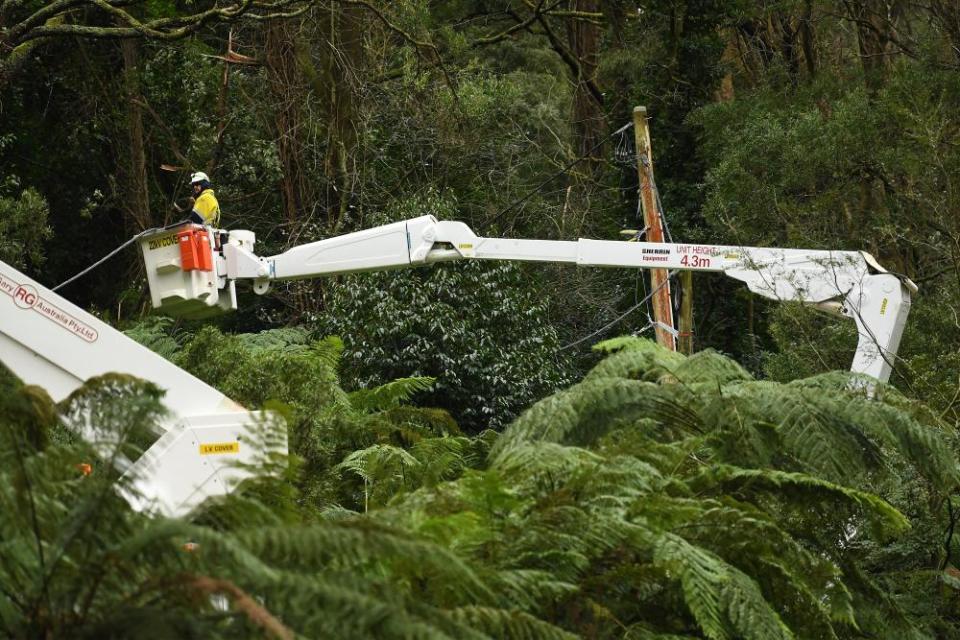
<point>947,15</point>
<point>343,56</point>
<point>584,41</point>
<point>287,93</point>
<point>873,36</point>
<point>808,38</point>
<point>135,197</point>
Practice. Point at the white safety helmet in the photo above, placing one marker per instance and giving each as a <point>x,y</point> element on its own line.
<point>199,176</point>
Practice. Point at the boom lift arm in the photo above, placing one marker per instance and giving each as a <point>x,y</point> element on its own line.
<point>192,273</point>
<point>50,342</point>
<point>847,283</point>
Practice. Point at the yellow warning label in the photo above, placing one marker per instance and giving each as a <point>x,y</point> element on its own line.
<point>883,306</point>
<point>465,245</point>
<point>219,448</point>
<point>162,241</point>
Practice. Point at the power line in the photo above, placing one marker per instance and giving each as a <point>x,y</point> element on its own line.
<point>621,317</point>
<point>553,177</point>
<point>116,251</point>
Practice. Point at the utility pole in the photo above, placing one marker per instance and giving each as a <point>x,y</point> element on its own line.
<point>653,227</point>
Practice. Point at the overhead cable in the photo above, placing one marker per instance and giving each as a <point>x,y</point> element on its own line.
<point>553,177</point>
<point>116,251</point>
<point>621,317</point>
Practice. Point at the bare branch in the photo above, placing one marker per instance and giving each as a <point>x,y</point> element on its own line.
<point>49,21</point>
<point>537,11</point>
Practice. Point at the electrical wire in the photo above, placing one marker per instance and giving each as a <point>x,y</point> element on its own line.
<point>663,214</point>
<point>645,301</point>
<point>116,251</point>
<point>553,177</point>
<point>621,317</point>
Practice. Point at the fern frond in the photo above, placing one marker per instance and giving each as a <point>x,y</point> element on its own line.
<point>443,458</point>
<point>389,395</point>
<point>537,457</point>
<point>585,412</point>
<point>887,519</point>
<point>528,589</point>
<point>290,339</point>
<point>361,542</point>
<point>924,446</point>
<point>823,439</point>
<point>635,359</point>
<point>643,632</point>
<point>710,367</point>
<point>500,623</point>
<point>154,332</point>
<point>636,343</point>
<point>878,613</point>
<point>842,434</point>
<point>725,602</point>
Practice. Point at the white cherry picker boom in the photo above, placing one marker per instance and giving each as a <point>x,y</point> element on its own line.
<point>850,284</point>
<point>192,273</point>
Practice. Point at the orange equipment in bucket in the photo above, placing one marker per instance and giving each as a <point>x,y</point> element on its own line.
<point>195,251</point>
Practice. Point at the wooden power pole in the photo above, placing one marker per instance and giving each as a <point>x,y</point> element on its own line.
<point>653,223</point>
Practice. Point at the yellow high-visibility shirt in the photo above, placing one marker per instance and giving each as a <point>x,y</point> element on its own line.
<point>208,208</point>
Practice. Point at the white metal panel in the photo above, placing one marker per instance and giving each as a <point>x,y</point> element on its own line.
<point>71,346</point>
<point>50,342</point>
<point>186,294</point>
<point>526,250</point>
<point>174,476</point>
<point>374,249</point>
<point>880,312</point>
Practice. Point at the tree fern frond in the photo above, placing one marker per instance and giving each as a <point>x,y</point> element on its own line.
<point>842,434</point>
<point>444,458</point>
<point>389,395</point>
<point>822,438</point>
<point>725,602</point>
<point>532,458</point>
<point>638,441</point>
<point>750,614</point>
<point>878,613</point>
<point>702,577</point>
<point>708,366</point>
<point>636,343</point>
<point>528,589</point>
<point>154,332</point>
<point>617,481</point>
<point>636,359</point>
<point>345,607</point>
<point>585,412</point>
<point>878,512</point>
<point>566,564</point>
<point>359,542</point>
<point>290,339</point>
<point>500,623</point>
<point>643,632</point>
<point>924,446</point>
<point>379,462</point>
<point>437,422</point>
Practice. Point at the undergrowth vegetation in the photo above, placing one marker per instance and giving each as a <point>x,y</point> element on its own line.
<point>661,496</point>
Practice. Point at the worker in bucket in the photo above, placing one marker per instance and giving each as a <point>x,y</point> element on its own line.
<point>206,209</point>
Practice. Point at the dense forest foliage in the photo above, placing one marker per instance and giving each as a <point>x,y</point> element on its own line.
<point>463,462</point>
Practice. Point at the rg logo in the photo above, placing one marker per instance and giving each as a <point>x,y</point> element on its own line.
<point>25,296</point>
